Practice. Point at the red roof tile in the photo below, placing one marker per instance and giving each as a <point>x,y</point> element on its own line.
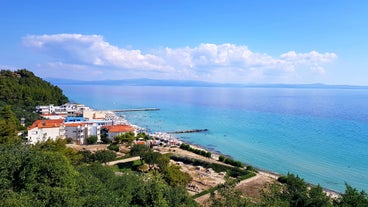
<point>49,123</point>
<point>120,128</point>
<point>140,142</point>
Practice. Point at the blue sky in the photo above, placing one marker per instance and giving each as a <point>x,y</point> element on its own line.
<point>274,41</point>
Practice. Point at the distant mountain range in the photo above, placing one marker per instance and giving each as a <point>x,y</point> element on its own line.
<point>189,83</point>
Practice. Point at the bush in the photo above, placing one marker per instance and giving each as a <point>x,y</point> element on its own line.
<point>139,150</point>
<point>69,140</point>
<point>113,147</point>
<point>251,168</point>
<point>196,151</point>
<point>230,161</point>
<point>233,162</point>
<point>232,171</point>
<point>88,157</point>
<point>92,140</point>
<point>221,158</point>
<point>105,140</point>
<point>104,156</point>
<point>282,179</point>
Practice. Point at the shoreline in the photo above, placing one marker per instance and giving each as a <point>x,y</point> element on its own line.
<point>273,175</point>
<point>215,153</point>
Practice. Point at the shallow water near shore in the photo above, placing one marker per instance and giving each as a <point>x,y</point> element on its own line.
<point>319,134</point>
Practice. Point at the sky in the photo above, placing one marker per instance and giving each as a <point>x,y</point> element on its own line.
<point>232,41</point>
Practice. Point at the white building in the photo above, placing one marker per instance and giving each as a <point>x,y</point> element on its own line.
<point>80,131</point>
<point>90,114</point>
<point>53,116</point>
<point>41,130</point>
<point>64,109</point>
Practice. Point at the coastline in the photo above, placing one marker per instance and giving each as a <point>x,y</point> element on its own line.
<point>273,175</point>
<point>215,153</point>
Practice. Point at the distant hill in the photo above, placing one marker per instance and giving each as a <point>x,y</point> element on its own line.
<point>22,90</point>
<point>189,83</point>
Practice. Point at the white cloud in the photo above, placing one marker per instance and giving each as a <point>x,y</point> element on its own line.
<point>94,50</point>
<point>313,59</point>
<point>213,62</point>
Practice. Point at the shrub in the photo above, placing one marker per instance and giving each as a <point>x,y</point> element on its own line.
<point>232,171</point>
<point>282,179</point>
<point>69,140</point>
<point>113,147</point>
<point>105,140</point>
<point>222,158</point>
<point>104,156</point>
<point>92,140</point>
<point>196,151</point>
<point>251,168</point>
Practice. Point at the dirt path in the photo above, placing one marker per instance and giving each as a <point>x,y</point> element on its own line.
<point>130,159</point>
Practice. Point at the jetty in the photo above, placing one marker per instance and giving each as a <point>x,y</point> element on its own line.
<point>132,110</point>
<point>188,131</point>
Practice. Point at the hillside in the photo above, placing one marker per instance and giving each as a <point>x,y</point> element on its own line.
<point>22,90</point>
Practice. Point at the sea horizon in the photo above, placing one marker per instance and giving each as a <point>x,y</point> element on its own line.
<point>317,134</point>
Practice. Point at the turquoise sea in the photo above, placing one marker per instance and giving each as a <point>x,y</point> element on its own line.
<point>319,134</point>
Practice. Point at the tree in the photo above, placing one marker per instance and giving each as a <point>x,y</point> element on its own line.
<point>142,135</point>
<point>8,125</point>
<point>317,197</point>
<point>92,140</point>
<point>7,133</point>
<point>104,156</point>
<point>151,158</point>
<point>59,145</point>
<point>228,195</point>
<point>40,178</point>
<point>104,137</point>
<point>24,91</point>
<point>175,177</point>
<point>139,150</point>
<point>8,115</point>
<point>271,196</point>
<point>352,197</point>
<point>113,147</point>
<point>296,191</point>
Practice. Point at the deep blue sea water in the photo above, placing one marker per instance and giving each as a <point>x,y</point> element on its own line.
<point>319,134</point>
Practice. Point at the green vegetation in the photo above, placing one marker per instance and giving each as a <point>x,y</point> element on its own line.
<point>139,150</point>
<point>295,192</point>
<point>104,156</point>
<point>125,138</point>
<point>101,156</point>
<point>43,175</point>
<point>104,137</point>
<point>113,147</point>
<point>23,91</point>
<point>158,162</point>
<point>230,161</point>
<point>8,125</point>
<point>92,139</point>
<point>196,151</point>
<point>210,190</point>
<point>232,171</point>
<point>228,195</point>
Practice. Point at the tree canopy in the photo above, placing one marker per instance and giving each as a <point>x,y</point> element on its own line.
<point>23,91</point>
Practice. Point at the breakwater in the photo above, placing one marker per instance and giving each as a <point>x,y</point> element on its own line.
<point>132,110</point>
<point>188,131</point>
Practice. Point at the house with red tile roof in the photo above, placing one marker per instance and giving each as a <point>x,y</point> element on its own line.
<point>116,130</point>
<point>41,130</point>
